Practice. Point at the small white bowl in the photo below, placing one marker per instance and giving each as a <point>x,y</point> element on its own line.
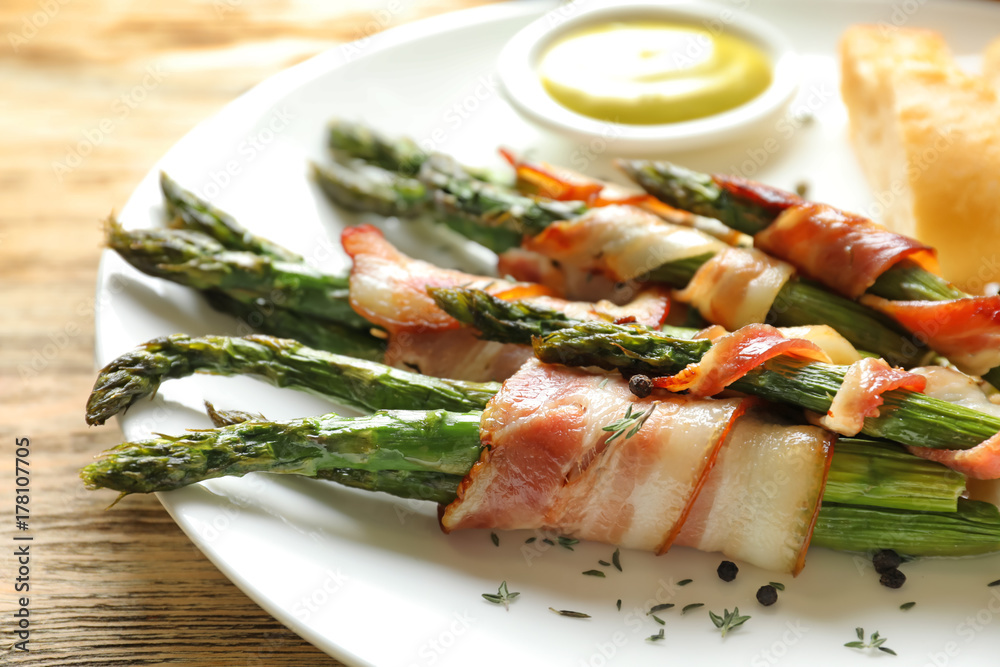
<point>518,72</point>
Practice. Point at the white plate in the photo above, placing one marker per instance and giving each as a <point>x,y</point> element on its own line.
<point>370,579</point>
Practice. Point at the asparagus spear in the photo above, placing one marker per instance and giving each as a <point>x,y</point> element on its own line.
<point>262,317</point>
<point>350,141</point>
<point>197,215</point>
<point>425,454</point>
<point>880,474</point>
<point>280,362</point>
<point>499,218</point>
<point>698,193</point>
<point>970,531</point>
<point>436,487</point>
<point>434,441</point>
<point>367,188</point>
<point>198,261</point>
<point>359,141</point>
<point>907,417</point>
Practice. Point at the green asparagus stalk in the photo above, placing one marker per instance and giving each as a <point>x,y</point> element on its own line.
<point>972,530</point>
<point>880,474</point>
<point>499,218</point>
<point>907,417</point>
<point>434,441</point>
<point>349,141</point>
<point>357,141</point>
<point>425,454</point>
<point>197,261</point>
<point>280,362</point>
<point>197,215</point>
<point>366,188</point>
<point>262,317</point>
<point>698,193</point>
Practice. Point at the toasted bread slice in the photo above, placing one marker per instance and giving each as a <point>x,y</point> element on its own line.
<point>928,138</point>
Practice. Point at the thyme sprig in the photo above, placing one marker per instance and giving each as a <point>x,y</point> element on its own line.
<point>874,641</point>
<point>502,596</point>
<point>630,424</point>
<point>729,620</point>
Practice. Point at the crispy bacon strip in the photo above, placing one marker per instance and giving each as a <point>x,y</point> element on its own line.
<point>761,499</point>
<point>620,242</point>
<point>389,289</point>
<point>733,356</point>
<point>767,197</point>
<point>548,462</point>
<point>966,331</point>
<point>982,462</point>
<point>860,395</point>
<point>736,287</point>
<point>845,252</point>
<point>553,182</point>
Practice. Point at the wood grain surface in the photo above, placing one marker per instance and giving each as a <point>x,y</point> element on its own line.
<point>83,115</point>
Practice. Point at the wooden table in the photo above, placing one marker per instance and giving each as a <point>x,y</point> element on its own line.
<point>125,586</point>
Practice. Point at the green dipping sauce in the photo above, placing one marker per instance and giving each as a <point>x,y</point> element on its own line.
<point>653,72</point>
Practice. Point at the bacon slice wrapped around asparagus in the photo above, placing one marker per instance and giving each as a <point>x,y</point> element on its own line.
<point>889,272</point>
<point>389,290</point>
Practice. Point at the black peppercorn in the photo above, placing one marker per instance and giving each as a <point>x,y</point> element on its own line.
<point>892,578</point>
<point>640,385</point>
<point>727,570</point>
<point>767,595</point>
<point>886,560</point>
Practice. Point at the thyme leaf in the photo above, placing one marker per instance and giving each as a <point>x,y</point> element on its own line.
<point>502,596</point>
<point>567,612</point>
<point>729,620</point>
<point>616,559</point>
<point>496,540</point>
<point>655,638</point>
<point>874,641</point>
<point>594,573</point>
<point>778,585</point>
<point>693,605</point>
<point>630,424</point>
<point>660,607</point>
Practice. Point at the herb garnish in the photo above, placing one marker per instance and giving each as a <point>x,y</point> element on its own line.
<point>567,612</point>
<point>693,605</point>
<point>530,540</point>
<point>567,542</point>
<point>655,638</point>
<point>496,540</point>
<point>873,642</point>
<point>549,542</point>
<point>660,607</point>
<point>619,604</point>
<point>502,596</point>
<point>684,582</point>
<point>728,620</point>
<point>594,573</point>
<point>777,584</point>
<point>907,605</point>
<point>630,424</point>
<point>658,619</point>
<point>994,583</point>
<point>603,563</point>
<point>616,559</point>
<point>604,383</point>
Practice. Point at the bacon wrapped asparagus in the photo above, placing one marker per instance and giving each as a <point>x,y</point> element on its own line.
<point>889,272</point>
<point>565,449</point>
